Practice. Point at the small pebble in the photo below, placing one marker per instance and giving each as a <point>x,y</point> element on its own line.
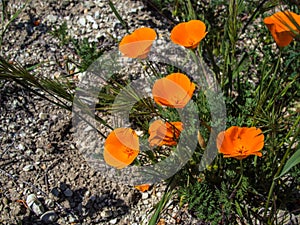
<point>145,195</point>
<point>21,147</point>
<point>113,221</point>
<point>63,186</point>
<point>51,18</point>
<point>106,213</point>
<point>5,201</point>
<point>90,19</point>
<point>95,26</point>
<point>28,168</point>
<point>34,204</point>
<point>55,192</point>
<point>82,21</point>
<point>43,116</point>
<point>68,192</point>
<point>49,203</point>
<point>72,219</point>
<point>97,15</point>
<point>49,217</point>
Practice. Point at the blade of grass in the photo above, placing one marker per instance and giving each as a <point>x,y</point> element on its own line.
<point>59,93</point>
<point>113,8</point>
<point>254,14</point>
<point>161,204</point>
<point>293,161</point>
<point>10,21</point>
<point>282,163</point>
<point>191,11</point>
<point>4,10</point>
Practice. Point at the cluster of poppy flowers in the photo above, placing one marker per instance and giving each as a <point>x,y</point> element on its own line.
<point>122,144</point>
<point>138,43</point>
<point>175,90</point>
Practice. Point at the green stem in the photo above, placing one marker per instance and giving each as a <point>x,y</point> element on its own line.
<point>263,91</point>
<point>197,58</point>
<point>282,162</point>
<point>239,181</point>
<point>274,76</point>
<point>163,203</point>
<point>119,17</point>
<point>150,65</point>
<point>10,21</point>
<point>242,175</point>
<point>253,15</point>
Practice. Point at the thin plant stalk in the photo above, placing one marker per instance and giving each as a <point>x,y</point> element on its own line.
<point>282,163</point>
<point>5,27</point>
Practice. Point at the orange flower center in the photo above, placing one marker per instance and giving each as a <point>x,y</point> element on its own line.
<point>240,148</point>
<point>129,152</point>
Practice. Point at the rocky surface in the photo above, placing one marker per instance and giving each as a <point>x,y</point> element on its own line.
<point>44,179</point>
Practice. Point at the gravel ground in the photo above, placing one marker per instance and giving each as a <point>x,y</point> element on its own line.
<point>44,179</point>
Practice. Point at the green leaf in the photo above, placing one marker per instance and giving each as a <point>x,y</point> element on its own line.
<point>238,209</point>
<point>293,161</point>
<point>124,24</point>
<point>161,205</point>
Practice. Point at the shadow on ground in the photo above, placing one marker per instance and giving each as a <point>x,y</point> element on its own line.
<point>74,206</point>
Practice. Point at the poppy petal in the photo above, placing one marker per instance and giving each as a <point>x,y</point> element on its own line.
<point>196,30</point>
<point>254,134</point>
<point>138,44</point>
<point>188,34</point>
<point>225,140</point>
<point>177,35</point>
<point>145,33</point>
<point>143,187</point>
<point>284,22</point>
<point>240,142</point>
<point>174,91</point>
<point>164,133</point>
<point>136,49</point>
<point>281,25</point>
<point>121,147</point>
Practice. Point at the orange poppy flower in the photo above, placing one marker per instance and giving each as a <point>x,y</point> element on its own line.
<point>164,133</point>
<point>280,26</point>
<point>143,187</point>
<point>240,142</point>
<point>174,90</point>
<point>121,147</point>
<point>188,34</point>
<point>138,43</point>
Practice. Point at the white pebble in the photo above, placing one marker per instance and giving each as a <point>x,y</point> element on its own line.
<point>95,26</point>
<point>90,19</point>
<point>21,147</point>
<point>113,221</point>
<point>145,195</point>
<point>82,21</point>
<point>43,116</point>
<point>51,18</point>
<point>28,168</point>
